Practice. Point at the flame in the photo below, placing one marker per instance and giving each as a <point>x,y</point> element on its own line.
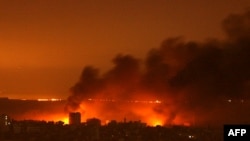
<point>58,117</point>
<point>46,116</point>
<point>132,110</point>
<point>65,120</point>
<point>157,122</point>
<point>46,99</point>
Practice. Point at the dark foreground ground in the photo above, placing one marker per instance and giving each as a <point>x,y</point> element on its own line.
<point>93,131</point>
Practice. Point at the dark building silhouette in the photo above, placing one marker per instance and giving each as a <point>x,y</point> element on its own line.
<point>75,118</point>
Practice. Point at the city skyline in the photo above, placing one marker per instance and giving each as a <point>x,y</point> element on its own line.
<point>162,62</point>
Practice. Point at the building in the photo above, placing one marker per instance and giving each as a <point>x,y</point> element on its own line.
<point>5,122</point>
<point>75,118</point>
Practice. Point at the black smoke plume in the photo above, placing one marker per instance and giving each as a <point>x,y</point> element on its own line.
<point>190,76</point>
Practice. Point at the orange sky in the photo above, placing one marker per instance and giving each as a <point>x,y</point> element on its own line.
<point>45,44</point>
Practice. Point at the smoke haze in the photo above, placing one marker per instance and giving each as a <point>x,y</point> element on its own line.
<point>193,81</point>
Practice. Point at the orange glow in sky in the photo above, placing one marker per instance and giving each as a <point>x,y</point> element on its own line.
<point>45,44</point>
<point>149,60</point>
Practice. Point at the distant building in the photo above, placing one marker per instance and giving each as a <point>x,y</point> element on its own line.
<point>75,118</point>
<point>93,125</point>
<point>5,122</point>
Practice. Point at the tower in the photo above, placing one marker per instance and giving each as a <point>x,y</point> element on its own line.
<point>75,118</point>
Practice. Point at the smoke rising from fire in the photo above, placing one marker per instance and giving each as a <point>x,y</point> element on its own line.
<point>190,78</point>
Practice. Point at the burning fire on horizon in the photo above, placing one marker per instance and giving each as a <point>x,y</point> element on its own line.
<point>133,110</point>
<point>190,78</point>
<point>179,83</point>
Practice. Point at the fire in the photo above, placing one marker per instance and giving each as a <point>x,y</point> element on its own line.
<point>65,120</point>
<point>151,112</point>
<point>157,122</point>
<point>46,99</point>
<point>59,117</point>
<point>55,117</point>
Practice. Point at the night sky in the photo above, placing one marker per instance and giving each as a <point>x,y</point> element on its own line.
<point>45,44</point>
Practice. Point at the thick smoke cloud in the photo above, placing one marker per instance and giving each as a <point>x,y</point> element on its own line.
<point>187,76</point>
